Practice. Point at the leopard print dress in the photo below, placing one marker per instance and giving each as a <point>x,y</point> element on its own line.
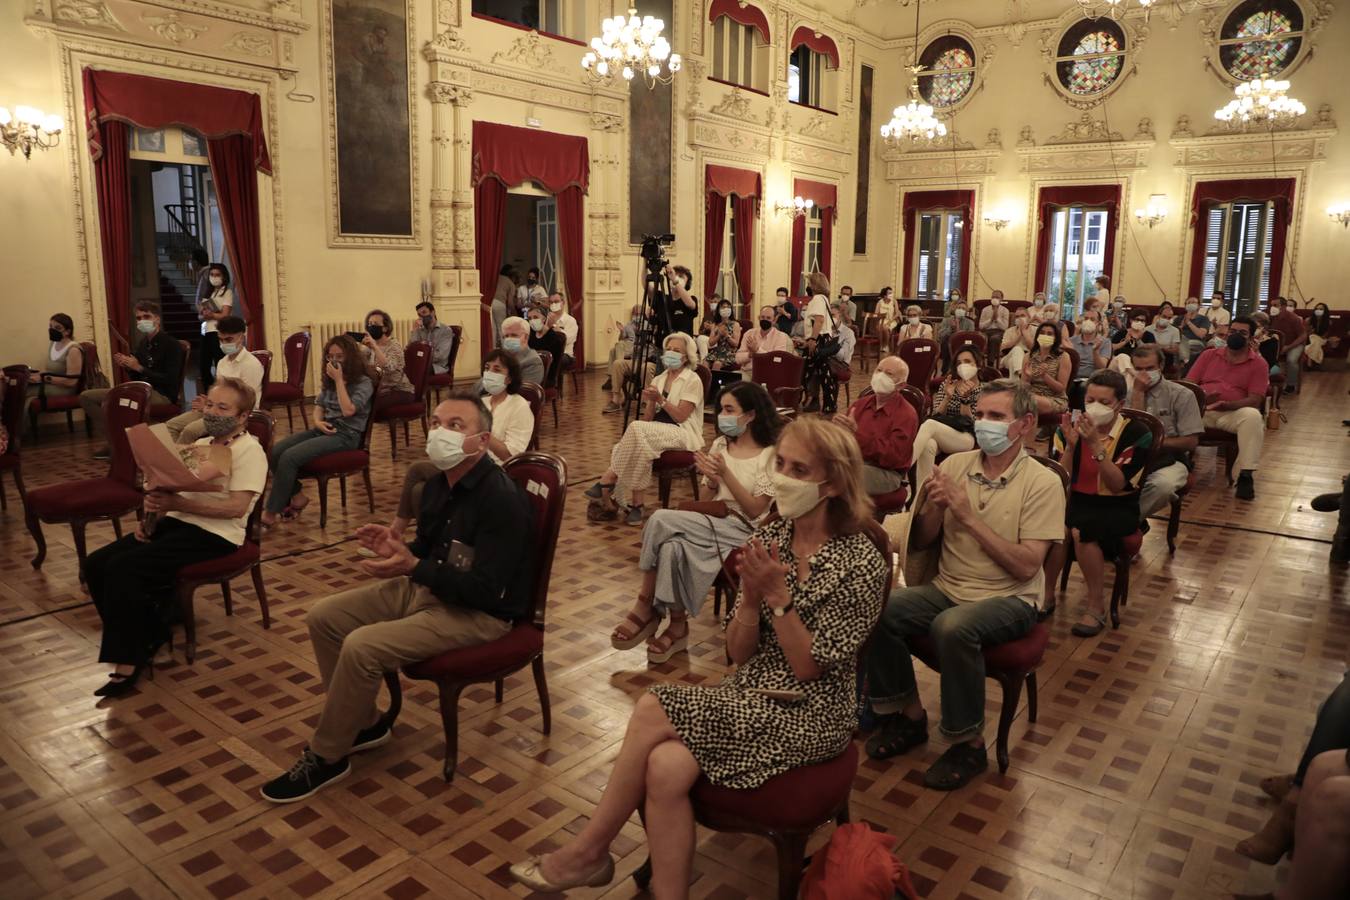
<point>742,739</point>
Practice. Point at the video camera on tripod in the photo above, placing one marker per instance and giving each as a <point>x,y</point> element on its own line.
<point>654,323</point>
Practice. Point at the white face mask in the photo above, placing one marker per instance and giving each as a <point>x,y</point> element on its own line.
<point>794,497</point>
<point>994,301</point>
<point>1089,328</point>
<point>217,281</point>
<point>1136,327</point>
<point>883,385</point>
<point>1216,303</point>
<point>445,448</point>
<point>966,371</point>
<point>1164,320</point>
<point>914,320</point>
<point>494,382</point>
<point>555,307</point>
<point>1099,412</point>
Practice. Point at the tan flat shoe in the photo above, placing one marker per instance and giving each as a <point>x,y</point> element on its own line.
<point>531,874</point>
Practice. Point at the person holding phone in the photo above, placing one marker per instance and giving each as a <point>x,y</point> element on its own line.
<point>384,356</point>
<point>341,410</point>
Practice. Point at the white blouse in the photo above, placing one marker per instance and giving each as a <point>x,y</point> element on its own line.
<point>755,473</point>
<point>512,424</point>
<point>221,297</point>
<point>685,386</point>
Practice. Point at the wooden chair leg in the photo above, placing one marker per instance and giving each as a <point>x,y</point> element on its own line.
<point>843,815</point>
<point>290,418</point>
<point>1068,563</point>
<point>450,721</point>
<point>304,414</point>
<point>35,529</point>
<point>391,681</point>
<point>541,684</point>
<point>33,423</point>
<point>117,527</point>
<point>323,500</point>
<point>77,531</point>
<point>497,689</point>
<point>407,441</point>
<point>229,601</point>
<point>185,592</point>
<point>693,483</point>
<point>791,858</point>
<point>663,489</point>
<point>260,589</point>
<point>393,441</point>
<point>1012,693</point>
<point>4,501</point>
<point>1120,589</point>
<point>70,421</point>
<point>1031,696</point>
<point>1174,525</point>
<point>370,491</point>
<point>342,489</point>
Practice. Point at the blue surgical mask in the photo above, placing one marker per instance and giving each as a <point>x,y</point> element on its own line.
<point>494,382</point>
<point>992,437</point>
<point>145,326</point>
<point>730,425</point>
<point>229,349</point>
<point>672,359</point>
<point>511,344</point>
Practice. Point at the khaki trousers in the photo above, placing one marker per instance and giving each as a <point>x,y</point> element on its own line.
<point>91,401</point>
<point>187,428</point>
<point>360,634</point>
<point>1250,427</point>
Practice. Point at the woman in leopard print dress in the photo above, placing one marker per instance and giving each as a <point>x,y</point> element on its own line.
<point>812,586</point>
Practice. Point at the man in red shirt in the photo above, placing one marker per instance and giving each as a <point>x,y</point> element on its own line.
<point>885,425</point>
<point>1235,379</point>
<point>1293,337</point>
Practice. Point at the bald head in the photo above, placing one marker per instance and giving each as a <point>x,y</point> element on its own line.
<point>895,367</point>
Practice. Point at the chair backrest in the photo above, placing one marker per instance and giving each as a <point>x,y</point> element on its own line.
<point>988,374</point>
<point>543,476</point>
<point>91,370</point>
<point>921,355</point>
<point>1070,327</point>
<point>781,368</point>
<point>547,359</point>
<point>913,396</point>
<point>296,353</point>
<point>125,405</point>
<point>1195,389</point>
<point>13,399</point>
<point>534,395</point>
<point>1155,426</point>
<point>704,375</point>
<point>1056,468</point>
<point>260,425</point>
<point>417,366</point>
<point>962,339</point>
<point>370,417</point>
<point>264,357</point>
<point>454,350</point>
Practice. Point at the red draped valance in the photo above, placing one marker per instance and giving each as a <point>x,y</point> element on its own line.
<point>727,181</point>
<point>1279,190</point>
<point>145,102</point>
<point>917,201</point>
<point>744,13</point>
<point>818,42</point>
<point>822,194</point>
<point>516,155</point>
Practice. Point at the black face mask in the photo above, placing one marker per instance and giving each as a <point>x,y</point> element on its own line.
<point>375,331</point>
<point>54,334</point>
<point>765,324</point>
<point>427,321</point>
<point>1237,342</point>
<point>532,281</point>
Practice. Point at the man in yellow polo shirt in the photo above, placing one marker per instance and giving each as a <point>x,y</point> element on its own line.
<point>992,514</point>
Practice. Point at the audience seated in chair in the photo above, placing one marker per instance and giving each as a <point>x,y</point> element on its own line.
<point>64,362</point>
<point>672,419</point>
<point>515,340</point>
<point>235,362</point>
<point>560,320</point>
<point>621,363</point>
<point>913,327</point>
<point>1195,330</point>
<point>1018,341</point>
<point>1235,379</point>
<point>131,578</point>
<point>440,337</point>
<point>950,428</point>
<point>463,580</point>
<point>623,345</point>
<point>684,550</point>
<point>796,626</point>
<point>546,340</point>
<point>1047,370</point>
<point>1125,340</point>
<point>723,338</point>
<point>819,342</point>
<point>157,361</point>
<point>994,318</point>
<point>341,411</point>
<point>991,515</point>
<point>884,424</point>
<point>1105,454</point>
<point>1174,405</point>
<point>956,321</point>
<point>887,311</point>
<point>384,358</point>
<point>763,339</point>
<point>1294,339</point>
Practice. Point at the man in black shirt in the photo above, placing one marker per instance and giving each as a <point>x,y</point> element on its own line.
<point>683,306</point>
<point>464,580</point>
<point>158,360</point>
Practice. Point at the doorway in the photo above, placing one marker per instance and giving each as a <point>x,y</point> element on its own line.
<point>531,237</point>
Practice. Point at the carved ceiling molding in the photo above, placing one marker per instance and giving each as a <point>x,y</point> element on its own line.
<point>284,16</point>
<point>750,144</point>
<point>519,83</point>
<point>1252,150</point>
<point>939,164</point>
<point>986,52</point>
<point>1086,130</point>
<point>529,51</point>
<point>1097,156</point>
<point>572,100</point>
<point>736,105</point>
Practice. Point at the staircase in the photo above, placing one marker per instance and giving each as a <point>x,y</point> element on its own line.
<point>174,251</point>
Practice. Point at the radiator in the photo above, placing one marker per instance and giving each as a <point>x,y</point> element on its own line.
<point>321,332</point>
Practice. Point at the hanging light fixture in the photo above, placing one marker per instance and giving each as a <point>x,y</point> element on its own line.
<point>630,46</point>
<point>1262,100</point>
<point>914,121</point>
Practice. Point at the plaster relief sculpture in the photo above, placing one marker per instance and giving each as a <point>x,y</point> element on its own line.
<point>173,29</point>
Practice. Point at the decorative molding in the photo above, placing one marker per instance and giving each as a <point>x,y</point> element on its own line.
<point>751,143</point>
<point>994,140</point>
<point>450,41</point>
<point>447,13</point>
<point>607,122</point>
<point>88,13</point>
<point>1086,130</point>
<point>1182,129</point>
<point>693,85</point>
<point>1255,150</point>
<point>531,52</point>
<point>817,126</point>
<point>445,92</point>
<point>173,29</point>
<point>986,52</point>
<point>1026,137</point>
<point>735,105</point>
<point>1144,130</point>
<point>1084,157</point>
<point>1315,15</point>
<point>573,99</point>
<point>250,44</point>
<point>935,161</point>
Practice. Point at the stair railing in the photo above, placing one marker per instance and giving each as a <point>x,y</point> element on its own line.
<point>183,243</point>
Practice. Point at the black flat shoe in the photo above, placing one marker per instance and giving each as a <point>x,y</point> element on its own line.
<point>119,686</point>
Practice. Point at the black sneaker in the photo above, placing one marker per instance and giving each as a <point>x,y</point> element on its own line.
<point>1246,487</point>
<point>104,452</point>
<point>306,777</point>
<point>1327,502</point>
<point>376,735</point>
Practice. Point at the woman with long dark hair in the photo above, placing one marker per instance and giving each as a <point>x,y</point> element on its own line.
<point>1318,327</point>
<point>1048,369</point>
<point>215,301</point>
<point>65,361</point>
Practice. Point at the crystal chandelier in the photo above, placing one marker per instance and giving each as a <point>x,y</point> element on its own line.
<point>630,46</point>
<point>28,128</point>
<point>914,121</point>
<point>1262,100</point>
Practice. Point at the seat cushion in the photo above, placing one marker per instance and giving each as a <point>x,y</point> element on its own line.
<point>674,459</point>
<point>59,403</point>
<point>1218,436</point>
<point>890,502</point>
<point>342,462</point>
<point>162,412</point>
<point>444,379</point>
<point>799,798</point>
<point>516,648</point>
<point>91,498</point>
<point>222,567</point>
<point>281,392</point>
<point>1021,655</point>
<point>1131,544</point>
<point>401,411</point>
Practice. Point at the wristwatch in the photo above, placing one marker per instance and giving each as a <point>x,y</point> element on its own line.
<point>780,611</point>
<point>1099,455</point>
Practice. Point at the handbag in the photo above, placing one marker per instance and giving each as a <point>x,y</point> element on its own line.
<point>957,422</point>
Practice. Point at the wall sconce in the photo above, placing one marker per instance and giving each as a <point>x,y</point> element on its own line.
<point>1340,212</point>
<point>797,208</point>
<point>28,128</point>
<point>1154,213</point>
<point>999,220</point>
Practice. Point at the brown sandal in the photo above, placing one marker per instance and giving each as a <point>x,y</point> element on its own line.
<point>661,648</point>
<point>1276,837</point>
<point>645,629</point>
<point>1276,786</point>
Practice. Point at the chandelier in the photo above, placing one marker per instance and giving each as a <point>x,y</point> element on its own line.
<point>1263,100</point>
<point>631,46</point>
<point>28,128</point>
<point>914,121</point>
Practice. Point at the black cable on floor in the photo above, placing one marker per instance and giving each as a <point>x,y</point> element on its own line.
<point>1227,527</point>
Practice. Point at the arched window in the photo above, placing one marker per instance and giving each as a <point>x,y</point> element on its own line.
<point>1091,56</point>
<point>1260,38</point>
<point>949,71</point>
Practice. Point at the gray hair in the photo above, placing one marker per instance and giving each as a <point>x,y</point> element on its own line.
<point>1023,401</point>
<point>1153,350</point>
<point>484,414</point>
<point>514,321</point>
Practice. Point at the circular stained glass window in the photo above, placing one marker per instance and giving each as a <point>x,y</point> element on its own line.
<point>1091,56</point>
<point>948,71</point>
<point>1260,38</point>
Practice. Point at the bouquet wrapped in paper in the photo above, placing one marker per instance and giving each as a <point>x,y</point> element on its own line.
<point>176,468</point>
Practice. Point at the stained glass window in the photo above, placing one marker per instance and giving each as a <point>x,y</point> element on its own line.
<point>950,66</point>
<point>1261,38</point>
<point>1091,56</point>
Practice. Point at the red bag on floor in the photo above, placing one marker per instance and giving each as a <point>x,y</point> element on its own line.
<point>857,864</point>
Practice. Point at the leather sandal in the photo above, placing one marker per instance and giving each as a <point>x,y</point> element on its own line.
<point>956,767</point>
<point>662,647</point>
<point>1087,631</point>
<point>531,874</point>
<point>644,628</point>
<point>898,734</point>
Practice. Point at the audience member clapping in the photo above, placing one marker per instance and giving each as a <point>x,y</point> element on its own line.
<point>763,339</point>
<point>950,428</point>
<point>885,424</point>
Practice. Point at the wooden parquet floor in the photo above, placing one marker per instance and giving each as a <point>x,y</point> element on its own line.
<point>1136,782</point>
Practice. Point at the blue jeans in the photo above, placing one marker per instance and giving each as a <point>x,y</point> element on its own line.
<point>292,453</point>
<point>1291,365</point>
<point>957,630</point>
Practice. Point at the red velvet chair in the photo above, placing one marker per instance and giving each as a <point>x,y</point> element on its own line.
<point>417,366</point>
<point>674,464</point>
<point>162,412</point>
<point>781,374</point>
<point>341,464</point>
<point>895,501</point>
<point>248,558</point>
<point>788,808</point>
<point>534,395</point>
<point>1051,420</point>
<point>13,399</point>
<point>264,357</point>
<point>436,381</point>
<point>544,479</point>
<point>66,403</point>
<point>963,339</point>
<point>292,390</point>
<point>921,355</point>
<point>869,340</point>
<point>116,494</point>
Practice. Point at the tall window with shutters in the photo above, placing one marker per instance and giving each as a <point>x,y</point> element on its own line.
<point>727,286</point>
<point>815,224</point>
<point>937,263</point>
<point>1077,253</point>
<point>1238,245</point>
<point>739,56</point>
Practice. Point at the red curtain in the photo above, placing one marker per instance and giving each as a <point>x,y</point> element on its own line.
<point>489,222</point>
<point>817,42</point>
<point>922,201</point>
<point>237,193</point>
<point>739,11</point>
<point>571,223</point>
<point>825,197</point>
<point>821,193</point>
<point>714,224</point>
<point>1279,191</point>
<point>1052,198</point>
<point>517,155</point>
<point>113,184</point>
<point>798,254</point>
<point>826,243</point>
<point>746,211</point>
